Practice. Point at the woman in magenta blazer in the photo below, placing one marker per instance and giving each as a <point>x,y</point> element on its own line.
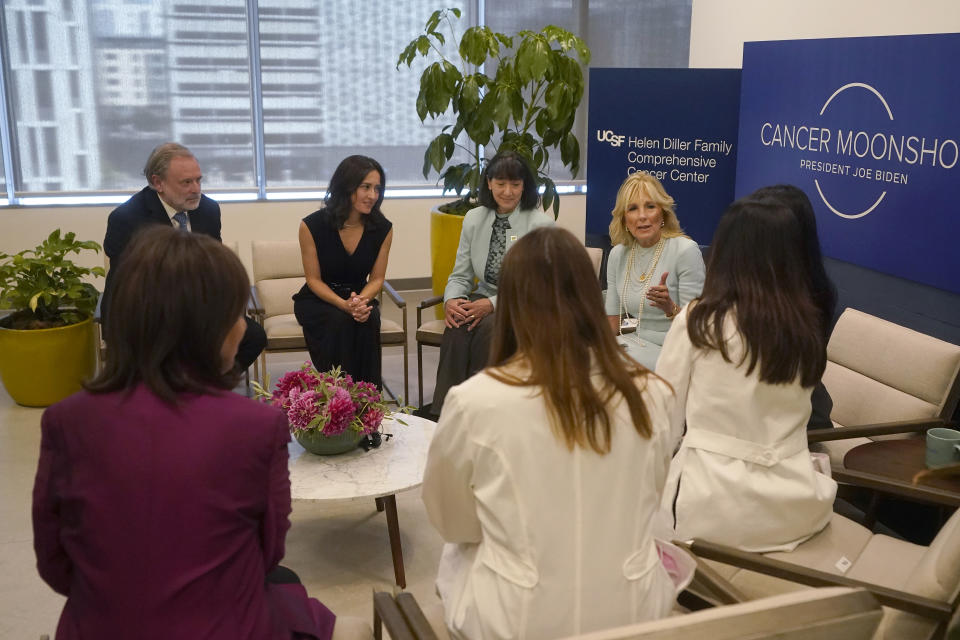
<point>161,500</point>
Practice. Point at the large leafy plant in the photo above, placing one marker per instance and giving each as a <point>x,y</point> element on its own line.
<point>516,93</point>
<point>44,287</point>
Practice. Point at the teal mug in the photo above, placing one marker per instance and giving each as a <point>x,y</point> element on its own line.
<point>943,447</point>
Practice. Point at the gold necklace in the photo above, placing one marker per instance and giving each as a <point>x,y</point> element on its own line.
<point>644,279</point>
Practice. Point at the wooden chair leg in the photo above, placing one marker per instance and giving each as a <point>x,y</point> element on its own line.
<point>393,529</point>
<point>406,372</point>
<point>419,374</point>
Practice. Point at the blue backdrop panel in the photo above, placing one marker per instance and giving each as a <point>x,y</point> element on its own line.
<point>869,128</point>
<point>679,124</point>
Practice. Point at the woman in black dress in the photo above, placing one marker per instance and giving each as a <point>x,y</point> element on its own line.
<point>345,247</point>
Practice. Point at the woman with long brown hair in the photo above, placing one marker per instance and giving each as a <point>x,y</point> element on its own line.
<point>546,468</point>
<point>744,359</point>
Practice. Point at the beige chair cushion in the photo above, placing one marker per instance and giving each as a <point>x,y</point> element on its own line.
<point>276,259</point>
<point>887,562</point>
<point>901,358</point>
<point>930,572</point>
<point>879,372</point>
<point>284,332</point>
<point>431,332</point>
<point>276,296</point>
<point>842,538</point>
<point>815,614</point>
<point>859,399</point>
<point>391,332</point>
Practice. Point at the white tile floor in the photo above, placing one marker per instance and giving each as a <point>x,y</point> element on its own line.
<point>341,552</point>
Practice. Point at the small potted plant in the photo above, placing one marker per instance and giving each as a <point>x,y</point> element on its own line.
<point>517,93</point>
<point>48,342</point>
<point>328,413</point>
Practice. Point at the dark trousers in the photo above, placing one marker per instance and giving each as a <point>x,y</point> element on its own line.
<point>253,341</point>
<point>335,338</point>
<point>462,354</point>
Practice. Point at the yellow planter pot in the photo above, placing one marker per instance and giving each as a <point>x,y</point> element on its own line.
<point>444,238</point>
<point>43,366</point>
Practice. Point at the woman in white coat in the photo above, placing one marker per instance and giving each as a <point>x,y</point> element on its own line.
<point>744,359</point>
<point>546,468</point>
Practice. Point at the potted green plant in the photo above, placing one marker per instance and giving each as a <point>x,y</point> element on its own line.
<point>47,343</point>
<point>517,93</point>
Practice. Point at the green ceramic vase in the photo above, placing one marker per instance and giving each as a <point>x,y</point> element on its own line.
<point>321,445</point>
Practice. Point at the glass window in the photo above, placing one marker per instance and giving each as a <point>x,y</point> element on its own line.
<point>331,87</point>
<point>20,34</point>
<point>3,177</point>
<point>657,35</point>
<point>75,89</point>
<point>43,87</point>
<point>51,151</point>
<point>40,45</point>
<point>96,84</point>
<point>121,68</point>
<point>82,177</point>
<point>33,147</point>
<point>207,65</point>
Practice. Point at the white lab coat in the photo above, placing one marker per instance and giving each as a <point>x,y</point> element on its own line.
<point>743,475</point>
<point>544,542</point>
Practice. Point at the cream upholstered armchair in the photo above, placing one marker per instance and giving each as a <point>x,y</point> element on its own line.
<point>277,275</point>
<point>824,614</point>
<point>430,332</point>
<point>919,586</point>
<point>883,379</point>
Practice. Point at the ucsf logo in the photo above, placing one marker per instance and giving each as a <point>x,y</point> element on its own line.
<point>609,136</point>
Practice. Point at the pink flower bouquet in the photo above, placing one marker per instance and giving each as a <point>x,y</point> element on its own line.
<point>326,403</point>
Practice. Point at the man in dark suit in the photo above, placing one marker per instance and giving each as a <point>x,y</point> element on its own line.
<point>172,197</point>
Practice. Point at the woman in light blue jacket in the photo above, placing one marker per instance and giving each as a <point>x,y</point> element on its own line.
<point>508,197</point>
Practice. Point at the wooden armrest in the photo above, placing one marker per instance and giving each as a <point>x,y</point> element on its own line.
<point>926,607</point>
<point>98,312</point>
<point>416,621</point>
<point>394,296</point>
<point>917,493</point>
<point>430,302</point>
<point>387,614</point>
<point>426,304</point>
<point>880,429</point>
<point>255,306</point>
<point>709,588</point>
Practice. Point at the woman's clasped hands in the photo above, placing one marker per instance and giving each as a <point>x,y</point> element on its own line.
<point>359,307</point>
<point>459,311</point>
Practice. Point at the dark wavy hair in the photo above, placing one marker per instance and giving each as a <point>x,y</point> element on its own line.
<point>824,292</point>
<point>548,274</point>
<point>349,175</point>
<point>175,298</point>
<point>509,165</point>
<point>757,274</point>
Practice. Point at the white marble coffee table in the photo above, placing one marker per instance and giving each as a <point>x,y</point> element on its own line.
<point>397,465</point>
